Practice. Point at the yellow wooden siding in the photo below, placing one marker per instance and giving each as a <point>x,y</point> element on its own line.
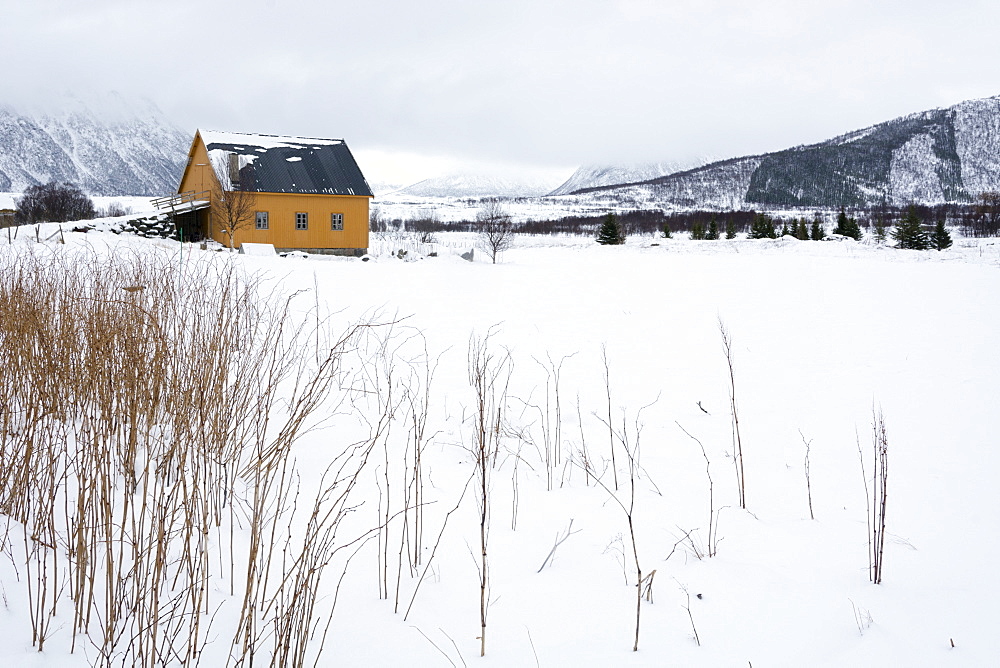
<point>281,209</point>
<point>198,175</point>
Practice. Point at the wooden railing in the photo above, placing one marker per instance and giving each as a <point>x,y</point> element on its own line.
<point>173,201</point>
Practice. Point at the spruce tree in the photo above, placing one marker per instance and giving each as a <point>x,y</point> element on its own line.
<point>880,229</point>
<point>853,229</point>
<point>801,230</point>
<point>784,228</point>
<point>909,233</point>
<point>730,229</point>
<point>847,227</point>
<point>697,230</point>
<point>841,222</point>
<point>667,234</point>
<point>762,227</point>
<point>941,239</point>
<point>713,230</point>
<point>817,230</point>
<point>611,232</point>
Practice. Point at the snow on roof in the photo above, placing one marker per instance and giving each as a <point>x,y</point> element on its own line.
<point>272,163</point>
<point>263,141</point>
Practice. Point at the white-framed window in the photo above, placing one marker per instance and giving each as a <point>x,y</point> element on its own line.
<point>261,221</point>
<point>336,221</point>
<point>301,221</point>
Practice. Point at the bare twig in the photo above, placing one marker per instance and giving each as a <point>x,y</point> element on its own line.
<point>809,494</point>
<point>687,607</point>
<point>559,541</point>
<point>727,346</point>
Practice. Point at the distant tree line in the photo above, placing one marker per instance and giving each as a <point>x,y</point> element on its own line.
<point>978,219</point>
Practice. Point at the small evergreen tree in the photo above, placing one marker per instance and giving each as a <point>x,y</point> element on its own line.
<point>697,230</point>
<point>801,230</point>
<point>762,227</point>
<point>847,227</point>
<point>941,239</point>
<point>817,230</point>
<point>879,230</point>
<point>909,233</point>
<point>667,234</point>
<point>611,232</point>
<point>713,230</point>
<point>841,222</point>
<point>730,229</point>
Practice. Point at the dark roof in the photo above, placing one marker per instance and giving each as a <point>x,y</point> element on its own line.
<point>274,164</point>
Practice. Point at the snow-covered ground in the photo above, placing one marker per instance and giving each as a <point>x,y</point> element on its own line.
<point>821,333</point>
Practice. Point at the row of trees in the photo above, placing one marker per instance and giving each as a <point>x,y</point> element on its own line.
<point>909,233</point>
<point>981,219</point>
<point>495,229</point>
<point>53,203</point>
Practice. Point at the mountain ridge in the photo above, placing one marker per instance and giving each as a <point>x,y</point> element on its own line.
<point>121,149</point>
<point>942,155</point>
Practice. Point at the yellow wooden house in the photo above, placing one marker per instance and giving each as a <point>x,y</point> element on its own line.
<point>304,193</point>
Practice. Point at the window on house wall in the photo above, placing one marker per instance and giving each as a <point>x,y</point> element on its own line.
<point>262,220</point>
<point>301,221</point>
<point>336,221</point>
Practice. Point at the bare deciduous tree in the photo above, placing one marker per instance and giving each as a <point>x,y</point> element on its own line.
<point>234,203</point>
<point>53,203</point>
<point>496,231</point>
<point>987,212</point>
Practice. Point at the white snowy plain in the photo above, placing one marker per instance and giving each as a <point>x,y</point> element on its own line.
<point>822,332</point>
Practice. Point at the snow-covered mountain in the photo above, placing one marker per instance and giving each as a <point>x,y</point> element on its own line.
<point>384,187</point>
<point>483,184</point>
<point>114,147</point>
<point>596,175</point>
<point>942,155</point>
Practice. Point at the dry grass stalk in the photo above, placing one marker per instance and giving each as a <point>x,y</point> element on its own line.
<point>144,421</point>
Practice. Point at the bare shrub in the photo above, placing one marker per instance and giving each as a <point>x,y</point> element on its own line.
<point>115,209</point>
<point>713,538</point>
<point>630,446</point>
<point>880,478</point>
<point>489,376</point>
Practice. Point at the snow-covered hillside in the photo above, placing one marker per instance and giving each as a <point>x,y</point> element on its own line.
<point>118,147</point>
<point>593,176</point>
<point>481,184</point>
<point>931,157</point>
<point>613,394</point>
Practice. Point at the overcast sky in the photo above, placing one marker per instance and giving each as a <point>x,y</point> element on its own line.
<point>419,87</point>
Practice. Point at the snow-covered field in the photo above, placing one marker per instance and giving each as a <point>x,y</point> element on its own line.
<point>822,333</point>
